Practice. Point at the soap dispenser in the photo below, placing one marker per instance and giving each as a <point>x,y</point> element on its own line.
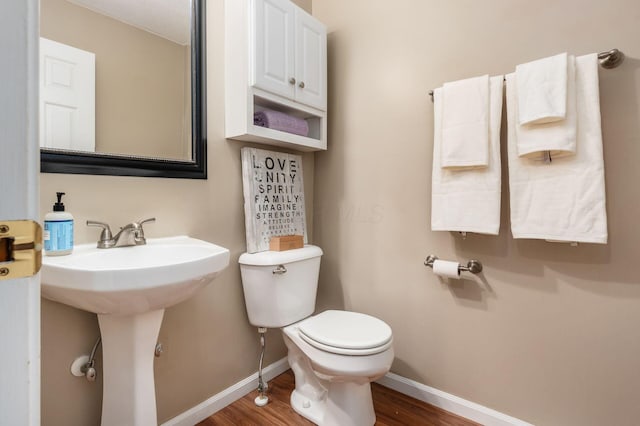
<point>58,230</point>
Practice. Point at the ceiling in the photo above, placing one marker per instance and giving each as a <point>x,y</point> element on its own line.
<point>169,19</point>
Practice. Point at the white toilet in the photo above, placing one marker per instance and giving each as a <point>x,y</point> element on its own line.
<point>334,355</point>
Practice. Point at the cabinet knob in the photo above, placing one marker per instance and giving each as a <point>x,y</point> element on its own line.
<point>301,85</point>
<point>292,80</point>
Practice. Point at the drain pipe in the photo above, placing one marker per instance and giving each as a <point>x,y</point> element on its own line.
<point>262,399</point>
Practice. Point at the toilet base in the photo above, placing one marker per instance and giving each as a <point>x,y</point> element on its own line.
<point>344,404</point>
<point>312,410</point>
<point>328,401</point>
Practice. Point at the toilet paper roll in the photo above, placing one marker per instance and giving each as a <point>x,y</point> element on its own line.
<point>445,268</point>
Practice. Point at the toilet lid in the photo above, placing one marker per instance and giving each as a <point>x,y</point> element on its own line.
<point>344,332</point>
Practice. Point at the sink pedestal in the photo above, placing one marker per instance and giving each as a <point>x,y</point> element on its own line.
<point>128,345</point>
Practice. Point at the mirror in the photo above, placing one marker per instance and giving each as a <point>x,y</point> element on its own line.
<point>145,96</point>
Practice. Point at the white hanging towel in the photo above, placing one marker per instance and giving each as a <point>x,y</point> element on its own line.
<point>465,123</point>
<point>563,200</point>
<point>555,139</point>
<point>542,90</point>
<point>468,200</point>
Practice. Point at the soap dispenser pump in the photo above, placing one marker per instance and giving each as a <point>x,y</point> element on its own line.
<point>58,230</point>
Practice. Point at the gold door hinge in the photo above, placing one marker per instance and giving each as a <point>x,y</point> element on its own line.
<point>20,249</point>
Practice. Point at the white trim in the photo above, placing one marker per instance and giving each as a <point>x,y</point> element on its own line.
<point>231,394</point>
<point>448,402</point>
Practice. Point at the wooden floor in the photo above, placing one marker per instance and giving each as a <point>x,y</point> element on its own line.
<point>392,409</point>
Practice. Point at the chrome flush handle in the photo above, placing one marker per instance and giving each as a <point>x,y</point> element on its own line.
<point>280,269</point>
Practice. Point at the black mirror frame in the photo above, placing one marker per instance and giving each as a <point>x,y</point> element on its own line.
<point>53,161</point>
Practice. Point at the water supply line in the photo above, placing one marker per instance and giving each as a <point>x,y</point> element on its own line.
<point>262,399</point>
<point>88,369</point>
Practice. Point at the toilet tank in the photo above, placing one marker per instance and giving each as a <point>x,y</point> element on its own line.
<point>280,286</point>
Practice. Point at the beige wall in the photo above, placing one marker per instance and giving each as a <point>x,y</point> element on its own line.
<point>209,344</point>
<point>140,81</point>
<point>548,333</point>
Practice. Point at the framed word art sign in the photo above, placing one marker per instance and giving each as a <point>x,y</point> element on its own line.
<point>273,197</point>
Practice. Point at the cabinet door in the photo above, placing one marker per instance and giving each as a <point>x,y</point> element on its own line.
<point>311,61</point>
<point>273,46</point>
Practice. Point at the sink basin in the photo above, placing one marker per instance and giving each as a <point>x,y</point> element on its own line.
<point>130,280</point>
<point>129,288</point>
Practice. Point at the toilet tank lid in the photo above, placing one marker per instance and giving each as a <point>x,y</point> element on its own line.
<point>272,258</point>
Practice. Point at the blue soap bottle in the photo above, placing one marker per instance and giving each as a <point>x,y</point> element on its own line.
<point>58,230</point>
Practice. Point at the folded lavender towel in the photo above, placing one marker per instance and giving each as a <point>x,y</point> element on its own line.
<point>280,121</point>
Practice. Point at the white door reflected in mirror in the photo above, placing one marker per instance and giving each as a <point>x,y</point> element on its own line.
<point>67,97</point>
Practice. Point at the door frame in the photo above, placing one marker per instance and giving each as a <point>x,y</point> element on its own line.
<point>20,192</point>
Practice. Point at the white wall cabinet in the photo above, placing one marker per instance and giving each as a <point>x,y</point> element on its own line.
<point>289,47</point>
<point>276,58</point>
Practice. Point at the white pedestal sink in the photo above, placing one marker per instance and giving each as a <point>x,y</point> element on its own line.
<point>129,288</point>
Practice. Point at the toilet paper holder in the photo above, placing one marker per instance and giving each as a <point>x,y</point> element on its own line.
<point>473,266</point>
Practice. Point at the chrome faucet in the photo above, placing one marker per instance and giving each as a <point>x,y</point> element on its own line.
<point>133,231</point>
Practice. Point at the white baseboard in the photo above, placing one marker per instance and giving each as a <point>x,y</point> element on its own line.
<point>446,401</point>
<point>220,400</point>
<point>438,398</point>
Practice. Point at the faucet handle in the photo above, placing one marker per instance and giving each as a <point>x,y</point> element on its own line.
<point>106,230</point>
<point>106,238</point>
<point>151,219</point>
<point>139,233</point>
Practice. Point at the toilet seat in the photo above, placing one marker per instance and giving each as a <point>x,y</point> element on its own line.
<point>346,333</point>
